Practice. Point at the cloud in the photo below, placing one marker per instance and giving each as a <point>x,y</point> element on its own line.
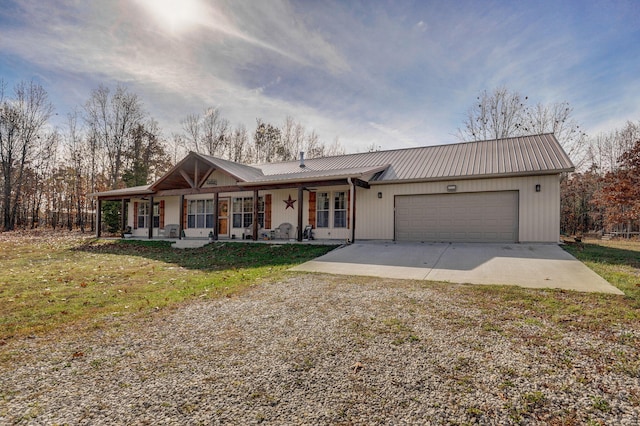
<point>393,75</point>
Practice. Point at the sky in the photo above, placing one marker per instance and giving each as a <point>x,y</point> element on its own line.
<point>384,74</point>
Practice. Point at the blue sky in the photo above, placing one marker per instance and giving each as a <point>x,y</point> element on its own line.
<point>392,74</point>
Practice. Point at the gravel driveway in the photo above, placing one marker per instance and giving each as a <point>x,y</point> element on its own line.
<point>325,350</point>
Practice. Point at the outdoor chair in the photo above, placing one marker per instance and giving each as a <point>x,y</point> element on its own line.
<point>283,231</point>
<point>248,232</point>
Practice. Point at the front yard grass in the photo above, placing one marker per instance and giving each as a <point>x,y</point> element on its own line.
<point>49,281</point>
<point>617,261</point>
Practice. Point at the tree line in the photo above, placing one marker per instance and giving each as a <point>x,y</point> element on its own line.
<point>112,142</point>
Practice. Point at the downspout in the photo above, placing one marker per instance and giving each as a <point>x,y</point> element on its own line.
<point>352,208</point>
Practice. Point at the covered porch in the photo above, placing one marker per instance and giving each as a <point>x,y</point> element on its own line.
<point>206,198</point>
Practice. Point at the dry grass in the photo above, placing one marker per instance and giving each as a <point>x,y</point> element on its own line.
<point>49,280</point>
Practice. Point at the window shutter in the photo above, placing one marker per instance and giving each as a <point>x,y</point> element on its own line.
<point>184,214</point>
<point>348,209</point>
<point>267,211</point>
<point>135,215</point>
<point>161,214</point>
<point>312,209</point>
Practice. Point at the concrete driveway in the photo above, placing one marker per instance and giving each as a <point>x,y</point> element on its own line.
<point>525,265</point>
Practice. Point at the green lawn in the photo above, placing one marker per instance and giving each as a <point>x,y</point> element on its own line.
<point>617,261</point>
<point>54,280</point>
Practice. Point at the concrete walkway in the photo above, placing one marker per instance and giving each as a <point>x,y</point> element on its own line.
<point>525,265</point>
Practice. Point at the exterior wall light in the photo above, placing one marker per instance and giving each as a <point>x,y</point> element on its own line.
<point>451,188</point>
<point>379,194</point>
<point>538,187</point>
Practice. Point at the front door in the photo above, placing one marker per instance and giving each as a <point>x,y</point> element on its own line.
<point>223,217</point>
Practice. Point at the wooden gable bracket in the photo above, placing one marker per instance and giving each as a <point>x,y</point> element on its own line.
<point>187,178</point>
<point>205,176</point>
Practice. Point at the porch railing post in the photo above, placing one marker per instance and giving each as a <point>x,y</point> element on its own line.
<point>150,220</point>
<point>254,231</point>
<point>99,219</point>
<point>215,216</point>
<point>300,210</point>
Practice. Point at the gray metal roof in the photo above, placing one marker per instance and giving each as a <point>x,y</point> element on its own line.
<point>519,156</point>
<point>525,155</point>
<point>305,174</point>
<point>241,172</point>
<point>135,190</point>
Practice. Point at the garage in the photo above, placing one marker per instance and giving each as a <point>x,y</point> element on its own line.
<point>465,217</point>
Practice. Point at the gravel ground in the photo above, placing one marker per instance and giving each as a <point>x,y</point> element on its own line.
<point>324,350</point>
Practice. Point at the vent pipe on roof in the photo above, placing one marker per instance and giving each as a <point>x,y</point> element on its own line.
<point>302,159</point>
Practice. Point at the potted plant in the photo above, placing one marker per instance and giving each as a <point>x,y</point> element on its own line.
<point>127,232</point>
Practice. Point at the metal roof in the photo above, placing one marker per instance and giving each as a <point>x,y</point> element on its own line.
<point>133,190</point>
<point>538,154</point>
<point>518,156</point>
<point>305,174</point>
<point>241,172</point>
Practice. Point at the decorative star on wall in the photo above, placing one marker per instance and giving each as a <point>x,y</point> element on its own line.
<point>289,203</point>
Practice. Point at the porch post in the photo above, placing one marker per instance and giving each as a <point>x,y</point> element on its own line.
<point>181,221</point>
<point>123,219</point>
<point>215,216</point>
<point>353,212</point>
<point>254,231</point>
<point>150,219</point>
<point>99,219</point>
<point>300,206</point>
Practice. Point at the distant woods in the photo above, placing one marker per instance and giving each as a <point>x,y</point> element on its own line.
<point>112,142</point>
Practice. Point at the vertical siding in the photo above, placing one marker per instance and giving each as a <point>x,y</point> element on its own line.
<point>172,210</point>
<point>538,217</point>
<point>221,178</point>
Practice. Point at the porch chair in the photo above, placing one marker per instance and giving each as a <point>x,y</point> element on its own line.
<point>248,232</point>
<point>283,231</point>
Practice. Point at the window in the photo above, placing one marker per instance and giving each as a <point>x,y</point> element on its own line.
<point>200,214</point>
<point>322,210</point>
<point>143,215</point>
<point>326,209</point>
<point>340,210</point>
<point>243,212</point>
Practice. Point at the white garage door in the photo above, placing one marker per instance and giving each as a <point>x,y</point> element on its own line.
<point>468,217</point>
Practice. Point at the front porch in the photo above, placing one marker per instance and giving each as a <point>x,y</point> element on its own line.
<point>209,198</point>
<point>196,242</point>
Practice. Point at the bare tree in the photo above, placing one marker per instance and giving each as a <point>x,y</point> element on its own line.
<point>215,131</point>
<point>313,147</point>
<point>503,113</point>
<point>192,138</point>
<point>22,122</point>
<point>239,149</point>
<point>207,134</point>
<point>293,138</point>
<point>111,120</point>
<point>606,149</point>
<point>495,115</point>
<point>78,151</point>
<point>335,148</point>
